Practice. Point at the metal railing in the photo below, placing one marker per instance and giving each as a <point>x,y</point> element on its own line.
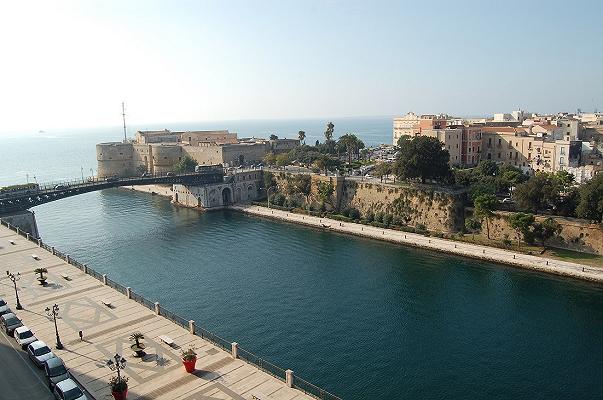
<point>218,341</point>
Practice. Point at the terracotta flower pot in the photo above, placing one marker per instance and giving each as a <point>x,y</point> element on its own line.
<point>189,365</point>
<point>120,395</point>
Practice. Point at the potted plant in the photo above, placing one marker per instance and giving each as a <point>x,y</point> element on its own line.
<point>119,387</point>
<point>137,347</point>
<point>41,278</point>
<point>189,359</point>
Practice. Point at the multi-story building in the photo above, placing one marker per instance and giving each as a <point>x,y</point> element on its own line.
<point>405,126</point>
<point>451,139</point>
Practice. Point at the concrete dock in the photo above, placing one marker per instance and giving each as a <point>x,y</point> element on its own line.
<point>107,318</point>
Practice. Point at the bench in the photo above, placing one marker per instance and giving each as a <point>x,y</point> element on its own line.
<point>12,242</point>
<point>35,257</point>
<point>167,340</point>
<point>107,303</point>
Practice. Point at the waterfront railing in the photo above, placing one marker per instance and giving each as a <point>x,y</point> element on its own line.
<point>233,348</point>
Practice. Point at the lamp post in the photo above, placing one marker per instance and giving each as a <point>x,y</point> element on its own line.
<point>116,364</point>
<point>53,312</point>
<point>268,194</point>
<point>14,278</point>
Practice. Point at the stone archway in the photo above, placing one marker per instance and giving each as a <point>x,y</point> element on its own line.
<point>238,195</point>
<point>250,191</point>
<point>226,196</point>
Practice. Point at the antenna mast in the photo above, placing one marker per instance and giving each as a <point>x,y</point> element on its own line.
<point>123,114</point>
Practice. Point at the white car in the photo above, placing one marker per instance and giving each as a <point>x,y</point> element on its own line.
<point>68,390</point>
<point>4,307</point>
<point>24,336</point>
<point>39,352</point>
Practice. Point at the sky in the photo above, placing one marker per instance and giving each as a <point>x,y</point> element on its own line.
<point>67,64</point>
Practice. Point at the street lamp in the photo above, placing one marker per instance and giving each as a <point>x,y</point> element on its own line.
<point>268,194</point>
<point>14,278</point>
<point>116,364</point>
<point>54,312</point>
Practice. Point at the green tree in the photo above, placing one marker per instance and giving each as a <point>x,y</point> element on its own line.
<point>186,164</point>
<point>423,157</point>
<point>590,205</point>
<point>473,225</point>
<point>382,170</point>
<point>269,180</point>
<point>269,158</point>
<point>329,131</point>
<point>273,137</point>
<point>546,230</point>
<point>350,144</point>
<point>303,184</point>
<point>487,168</point>
<point>538,193</point>
<point>484,209</point>
<point>402,139</point>
<point>325,191</point>
<point>521,224</point>
<point>282,159</point>
<point>301,135</point>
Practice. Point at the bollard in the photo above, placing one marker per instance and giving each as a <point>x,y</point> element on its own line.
<point>514,256</point>
<point>289,375</point>
<point>86,269</point>
<point>39,242</point>
<point>68,259</point>
<point>455,246</point>
<point>547,263</point>
<point>53,251</point>
<point>27,236</point>
<point>157,309</point>
<point>235,350</point>
<point>129,292</point>
<point>191,326</point>
<point>429,241</point>
<point>404,236</point>
<point>484,251</point>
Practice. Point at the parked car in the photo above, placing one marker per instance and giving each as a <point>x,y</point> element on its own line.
<point>68,390</point>
<point>10,322</point>
<point>39,353</point>
<point>4,307</point>
<point>55,371</point>
<point>146,175</point>
<point>507,200</point>
<point>24,336</point>
<point>112,179</point>
<point>169,174</point>
<point>60,187</point>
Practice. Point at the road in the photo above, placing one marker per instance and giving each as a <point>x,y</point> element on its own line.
<point>19,378</point>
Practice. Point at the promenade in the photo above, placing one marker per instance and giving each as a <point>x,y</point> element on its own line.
<point>503,256</point>
<point>107,318</point>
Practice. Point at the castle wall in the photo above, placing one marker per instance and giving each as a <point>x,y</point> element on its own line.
<point>243,188</point>
<point>251,153</point>
<point>114,159</point>
<point>579,235</point>
<point>205,155</point>
<point>165,157</point>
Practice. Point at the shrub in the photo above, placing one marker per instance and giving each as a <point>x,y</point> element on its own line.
<point>379,216</point>
<point>369,217</point>
<point>420,228</point>
<point>387,219</point>
<point>278,199</point>
<point>354,214</point>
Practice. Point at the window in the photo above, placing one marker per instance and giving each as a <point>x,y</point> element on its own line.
<point>498,155</point>
<point>499,141</point>
<point>489,156</point>
<point>563,150</point>
<point>489,141</point>
<point>510,154</point>
<point>561,161</point>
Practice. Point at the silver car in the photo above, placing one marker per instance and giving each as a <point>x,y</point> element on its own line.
<point>10,322</point>
<point>4,307</point>
<point>24,336</point>
<point>68,390</point>
<point>55,371</point>
<point>39,353</point>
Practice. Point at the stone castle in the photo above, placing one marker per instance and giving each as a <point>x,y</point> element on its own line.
<point>160,151</point>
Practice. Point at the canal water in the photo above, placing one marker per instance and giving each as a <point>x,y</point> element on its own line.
<point>361,318</point>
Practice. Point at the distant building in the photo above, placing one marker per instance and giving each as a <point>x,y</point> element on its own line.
<point>160,151</point>
<point>405,126</point>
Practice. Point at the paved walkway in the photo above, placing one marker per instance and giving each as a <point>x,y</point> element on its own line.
<point>464,249</point>
<point>160,374</point>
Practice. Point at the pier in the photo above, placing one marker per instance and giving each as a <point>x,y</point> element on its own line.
<point>107,313</point>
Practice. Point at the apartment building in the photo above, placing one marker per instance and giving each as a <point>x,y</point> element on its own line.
<point>405,126</point>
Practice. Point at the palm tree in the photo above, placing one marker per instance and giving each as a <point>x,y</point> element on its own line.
<point>351,144</point>
<point>302,136</point>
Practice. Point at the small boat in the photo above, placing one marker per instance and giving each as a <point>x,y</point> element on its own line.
<point>326,226</point>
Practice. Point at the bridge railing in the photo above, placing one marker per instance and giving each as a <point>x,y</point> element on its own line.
<point>220,342</point>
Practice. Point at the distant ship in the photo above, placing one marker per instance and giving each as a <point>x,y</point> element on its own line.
<point>41,131</point>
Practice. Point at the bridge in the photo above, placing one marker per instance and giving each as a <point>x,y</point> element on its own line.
<point>46,193</point>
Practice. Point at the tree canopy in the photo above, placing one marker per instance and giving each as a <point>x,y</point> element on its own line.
<point>522,223</point>
<point>423,157</point>
<point>590,205</point>
<point>484,209</point>
<point>186,164</point>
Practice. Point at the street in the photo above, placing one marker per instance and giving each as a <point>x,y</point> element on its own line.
<point>19,378</point>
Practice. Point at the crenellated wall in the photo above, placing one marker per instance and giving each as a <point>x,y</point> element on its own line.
<point>114,159</point>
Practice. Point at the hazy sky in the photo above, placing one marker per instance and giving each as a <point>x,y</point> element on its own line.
<point>71,63</point>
